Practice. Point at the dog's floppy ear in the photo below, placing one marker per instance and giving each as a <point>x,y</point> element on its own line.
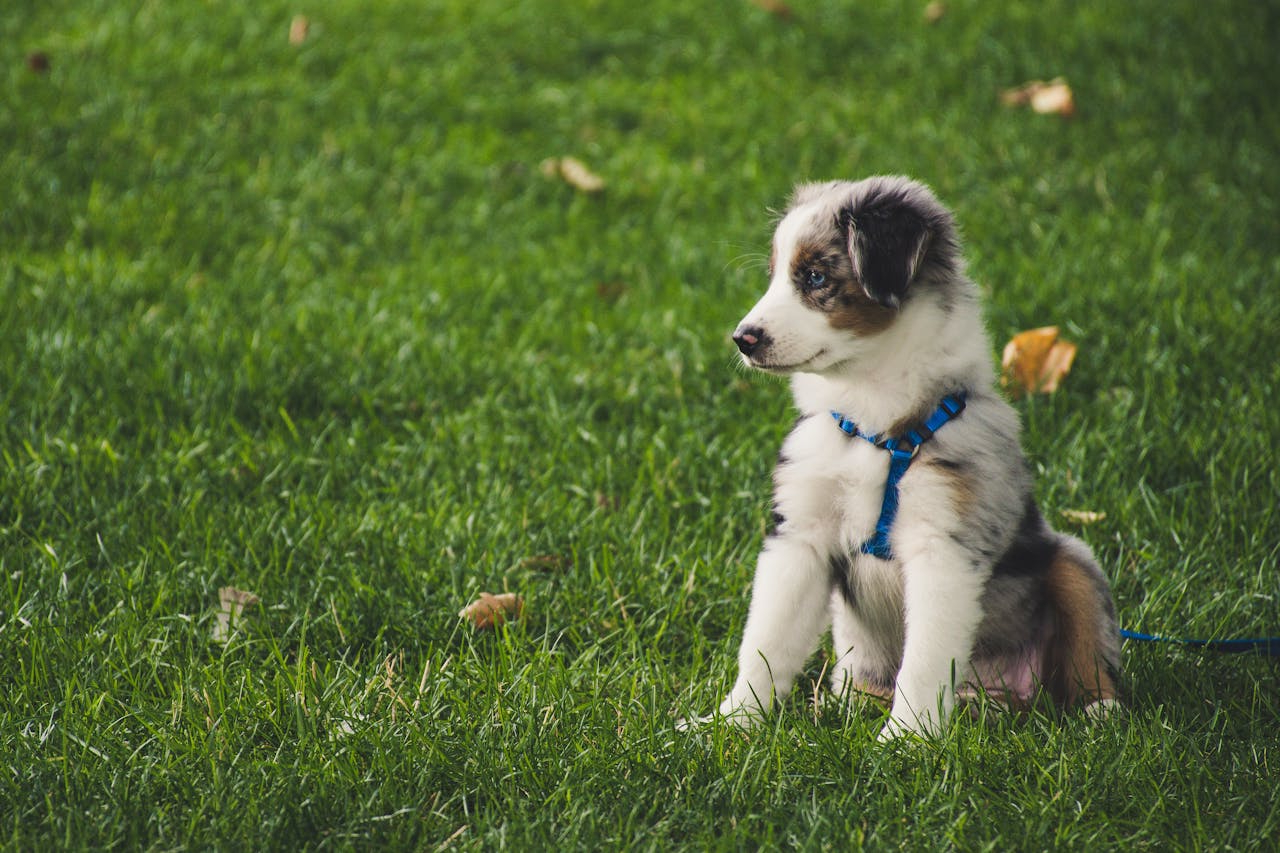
<point>887,242</point>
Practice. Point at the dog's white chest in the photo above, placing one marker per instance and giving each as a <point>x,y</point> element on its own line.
<point>830,486</point>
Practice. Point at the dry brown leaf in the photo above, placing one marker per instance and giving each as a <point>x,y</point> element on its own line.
<point>578,176</point>
<point>1055,98</point>
<point>1057,364</point>
<point>573,172</point>
<point>1083,516</point>
<point>1036,360</point>
<point>232,604</point>
<point>299,29</point>
<point>934,11</point>
<point>1052,98</point>
<point>775,7</point>
<point>490,611</point>
<point>38,61</point>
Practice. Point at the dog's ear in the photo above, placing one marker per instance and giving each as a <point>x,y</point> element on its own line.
<point>887,242</point>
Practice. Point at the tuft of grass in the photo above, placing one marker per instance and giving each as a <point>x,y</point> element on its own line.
<point>309,320</point>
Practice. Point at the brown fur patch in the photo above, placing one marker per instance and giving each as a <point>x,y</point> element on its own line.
<point>957,482</point>
<point>842,298</point>
<point>1076,669</point>
<point>860,314</point>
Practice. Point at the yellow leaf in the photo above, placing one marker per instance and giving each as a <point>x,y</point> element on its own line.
<point>578,176</point>
<point>1052,98</point>
<point>1035,361</point>
<point>934,11</point>
<point>573,172</point>
<point>1083,516</point>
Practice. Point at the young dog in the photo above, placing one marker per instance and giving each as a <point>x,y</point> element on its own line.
<point>902,507</point>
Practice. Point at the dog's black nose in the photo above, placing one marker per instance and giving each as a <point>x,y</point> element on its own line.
<point>748,338</point>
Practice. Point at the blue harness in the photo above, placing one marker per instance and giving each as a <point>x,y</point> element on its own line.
<point>902,449</point>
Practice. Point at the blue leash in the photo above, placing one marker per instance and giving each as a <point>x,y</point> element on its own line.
<point>1261,645</point>
<point>903,449</point>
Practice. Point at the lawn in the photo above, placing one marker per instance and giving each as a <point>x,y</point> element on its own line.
<point>307,317</point>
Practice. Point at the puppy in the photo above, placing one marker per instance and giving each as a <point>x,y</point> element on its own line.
<point>902,503</point>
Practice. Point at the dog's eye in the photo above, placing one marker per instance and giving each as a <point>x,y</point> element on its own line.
<point>814,279</point>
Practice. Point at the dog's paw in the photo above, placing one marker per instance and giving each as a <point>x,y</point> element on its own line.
<point>744,716</point>
<point>903,723</point>
<point>1103,710</point>
<point>895,730</point>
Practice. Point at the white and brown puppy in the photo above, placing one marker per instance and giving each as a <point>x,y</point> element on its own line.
<point>870,312</point>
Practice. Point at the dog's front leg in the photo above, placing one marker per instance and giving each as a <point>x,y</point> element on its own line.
<point>788,613</point>
<point>942,604</point>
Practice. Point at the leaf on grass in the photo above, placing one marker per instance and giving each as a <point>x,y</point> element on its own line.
<point>574,173</point>
<point>299,29</point>
<point>1051,98</point>
<point>38,61</point>
<point>232,604</point>
<point>490,611</point>
<point>934,11</point>
<point>1083,516</point>
<point>775,7</point>
<point>1036,360</point>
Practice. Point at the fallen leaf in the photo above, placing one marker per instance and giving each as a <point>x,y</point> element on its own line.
<point>1054,99</point>
<point>1083,516</point>
<point>490,611</point>
<point>1057,364</point>
<point>579,176</point>
<point>1051,98</point>
<point>934,11</point>
<point>232,604</point>
<point>574,173</point>
<point>1035,361</point>
<point>38,61</point>
<point>775,7</point>
<point>299,29</point>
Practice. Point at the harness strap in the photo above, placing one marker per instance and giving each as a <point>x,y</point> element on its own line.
<point>902,449</point>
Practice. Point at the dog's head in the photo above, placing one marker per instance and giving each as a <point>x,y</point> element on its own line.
<point>848,260</point>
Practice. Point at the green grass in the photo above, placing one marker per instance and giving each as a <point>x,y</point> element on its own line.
<point>309,321</point>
